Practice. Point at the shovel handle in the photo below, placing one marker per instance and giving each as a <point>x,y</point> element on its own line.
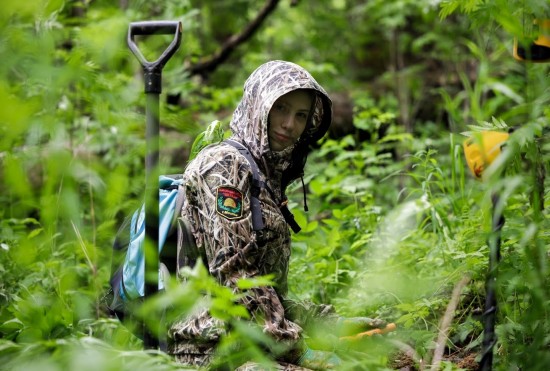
<point>154,28</point>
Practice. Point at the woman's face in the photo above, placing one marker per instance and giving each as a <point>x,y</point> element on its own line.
<point>288,119</point>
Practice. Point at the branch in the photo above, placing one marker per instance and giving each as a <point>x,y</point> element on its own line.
<point>446,323</point>
<point>209,64</point>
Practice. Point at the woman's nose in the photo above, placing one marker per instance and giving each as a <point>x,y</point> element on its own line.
<point>288,122</point>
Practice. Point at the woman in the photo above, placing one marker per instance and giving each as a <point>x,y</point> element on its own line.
<point>282,112</point>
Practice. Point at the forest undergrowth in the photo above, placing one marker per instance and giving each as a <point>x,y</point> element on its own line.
<point>397,228</point>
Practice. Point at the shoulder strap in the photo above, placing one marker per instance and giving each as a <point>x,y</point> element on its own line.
<point>180,198</point>
<point>257,185</point>
<point>176,183</point>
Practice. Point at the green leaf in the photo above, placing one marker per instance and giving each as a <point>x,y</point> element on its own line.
<point>12,324</point>
<point>35,232</point>
<point>214,133</point>
<point>249,283</point>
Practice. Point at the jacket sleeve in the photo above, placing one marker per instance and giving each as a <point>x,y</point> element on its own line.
<point>218,193</point>
<point>308,314</point>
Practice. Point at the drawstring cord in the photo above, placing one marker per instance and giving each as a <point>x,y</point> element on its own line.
<point>304,191</point>
<point>283,206</point>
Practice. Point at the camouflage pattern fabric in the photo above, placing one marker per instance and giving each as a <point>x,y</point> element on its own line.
<point>218,183</point>
<point>202,361</point>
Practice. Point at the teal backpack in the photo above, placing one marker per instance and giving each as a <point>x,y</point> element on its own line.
<point>128,280</point>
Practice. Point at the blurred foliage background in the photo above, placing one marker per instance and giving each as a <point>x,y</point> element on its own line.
<point>395,223</point>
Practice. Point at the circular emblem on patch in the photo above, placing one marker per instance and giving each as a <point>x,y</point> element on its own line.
<point>229,202</point>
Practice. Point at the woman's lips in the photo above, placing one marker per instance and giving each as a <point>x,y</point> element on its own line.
<point>282,138</point>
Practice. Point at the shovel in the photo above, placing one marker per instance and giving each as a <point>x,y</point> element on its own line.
<point>152,76</point>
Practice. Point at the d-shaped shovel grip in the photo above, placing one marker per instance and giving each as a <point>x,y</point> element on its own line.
<point>153,70</point>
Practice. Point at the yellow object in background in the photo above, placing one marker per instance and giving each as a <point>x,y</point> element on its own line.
<point>482,149</point>
<point>538,50</point>
<point>377,331</point>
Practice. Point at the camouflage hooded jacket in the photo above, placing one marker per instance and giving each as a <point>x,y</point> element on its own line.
<point>218,206</point>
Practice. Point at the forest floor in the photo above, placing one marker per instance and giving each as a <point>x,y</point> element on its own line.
<point>463,359</point>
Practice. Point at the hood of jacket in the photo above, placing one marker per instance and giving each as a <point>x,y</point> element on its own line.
<point>264,86</point>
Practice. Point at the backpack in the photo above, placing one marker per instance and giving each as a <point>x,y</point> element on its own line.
<point>176,243</point>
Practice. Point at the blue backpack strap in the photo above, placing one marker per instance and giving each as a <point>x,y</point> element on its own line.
<point>257,185</point>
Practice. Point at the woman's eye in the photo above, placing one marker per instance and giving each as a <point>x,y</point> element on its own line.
<point>277,107</point>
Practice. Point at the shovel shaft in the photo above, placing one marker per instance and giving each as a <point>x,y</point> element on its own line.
<point>151,189</point>
<point>152,131</point>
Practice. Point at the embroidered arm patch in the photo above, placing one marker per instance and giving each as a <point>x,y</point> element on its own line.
<point>229,202</point>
